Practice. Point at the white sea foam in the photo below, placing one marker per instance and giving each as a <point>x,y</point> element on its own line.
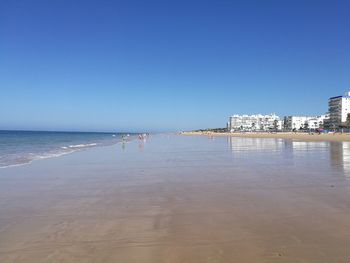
<point>50,155</point>
<point>34,157</point>
<point>82,145</point>
<point>16,164</point>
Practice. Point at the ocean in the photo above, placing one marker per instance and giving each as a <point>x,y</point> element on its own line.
<point>21,147</point>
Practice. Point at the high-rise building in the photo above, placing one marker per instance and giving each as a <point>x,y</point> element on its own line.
<point>339,108</point>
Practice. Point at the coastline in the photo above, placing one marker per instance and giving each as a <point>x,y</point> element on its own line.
<point>334,137</point>
<point>46,145</point>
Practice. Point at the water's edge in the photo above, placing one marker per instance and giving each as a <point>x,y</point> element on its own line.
<point>22,148</point>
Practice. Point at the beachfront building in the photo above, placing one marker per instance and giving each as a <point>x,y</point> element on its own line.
<point>339,108</point>
<point>303,122</point>
<point>327,122</point>
<point>257,122</point>
<point>316,122</point>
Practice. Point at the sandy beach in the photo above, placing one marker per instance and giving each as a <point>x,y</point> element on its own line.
<point>334,137</point>
<point>181,199</point>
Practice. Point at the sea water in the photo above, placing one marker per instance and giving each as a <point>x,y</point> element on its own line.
<point>21,147</point>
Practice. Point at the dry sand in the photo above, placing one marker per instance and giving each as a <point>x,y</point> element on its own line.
<point>179,199</point>
<point>334,137</point>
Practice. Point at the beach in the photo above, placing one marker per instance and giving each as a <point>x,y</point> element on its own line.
<point>334,137</point>
<point>177,198</point>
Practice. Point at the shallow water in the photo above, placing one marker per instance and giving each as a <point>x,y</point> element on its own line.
<point>20,147</point>
<point>181,199</point>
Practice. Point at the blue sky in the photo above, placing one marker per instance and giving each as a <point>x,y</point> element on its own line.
<point>167,65</point>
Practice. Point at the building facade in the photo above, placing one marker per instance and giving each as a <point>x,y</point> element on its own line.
<point>339,108</point>
<point>257,122</point>
<point>303,122</point>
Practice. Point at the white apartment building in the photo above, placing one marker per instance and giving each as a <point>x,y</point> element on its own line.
<point>254,122</point>
<point>339,108</point>
<point>303,122</point>
<point>316,122</point>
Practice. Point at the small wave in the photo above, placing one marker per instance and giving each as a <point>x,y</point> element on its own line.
<point>81,145</point>
<point>50,155</point>
<point>15,164</point>
<point>32,157</point>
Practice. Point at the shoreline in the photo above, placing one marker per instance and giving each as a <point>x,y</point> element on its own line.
<point>334,137</point>
<point>61,154</point>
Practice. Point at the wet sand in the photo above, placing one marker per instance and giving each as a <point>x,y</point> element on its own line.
<point>334,137</point>
<point>181,199</point>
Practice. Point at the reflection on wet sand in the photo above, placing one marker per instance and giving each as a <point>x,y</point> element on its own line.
<point>241,145</point>
<point>274,144</point>
<point>337,154</point>
<point>340,156</point>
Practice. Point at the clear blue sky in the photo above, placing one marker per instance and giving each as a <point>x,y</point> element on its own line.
<point>167,65</point>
